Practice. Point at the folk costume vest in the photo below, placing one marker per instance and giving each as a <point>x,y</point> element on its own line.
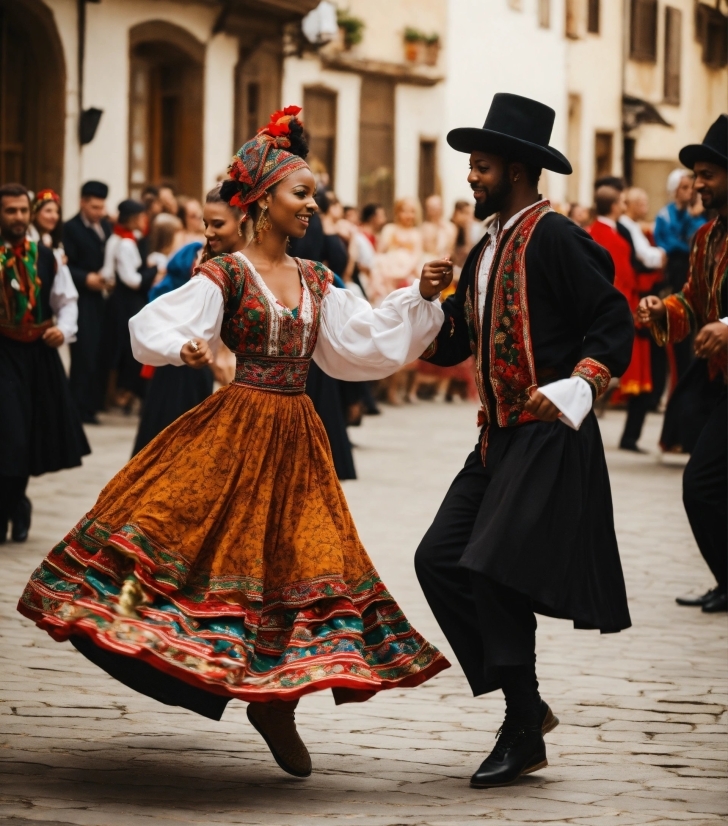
<point>501,340</point>
<point>25,312</point>
<point>703,299</point>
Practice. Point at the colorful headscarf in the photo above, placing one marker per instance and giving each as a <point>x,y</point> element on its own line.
<point>43,197</point>
<point>263,161</point>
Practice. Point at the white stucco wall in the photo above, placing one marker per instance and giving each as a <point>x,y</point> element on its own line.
<point>595,74</point>
<point>64,13</point>
<point>218,107</point>
<point>492,48</point>
<point>299,73</point>
<point>416,118</point>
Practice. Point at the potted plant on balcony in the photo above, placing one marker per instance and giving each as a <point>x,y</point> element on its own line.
<point>431,49</point>
<point>414,44</point>
<point>351,29</point>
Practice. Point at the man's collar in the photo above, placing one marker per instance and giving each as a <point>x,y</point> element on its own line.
<point>495,228</point>
<point>608,221</point>
<point>87,223</point>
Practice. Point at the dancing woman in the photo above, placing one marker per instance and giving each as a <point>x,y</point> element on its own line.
<point>222,561</point>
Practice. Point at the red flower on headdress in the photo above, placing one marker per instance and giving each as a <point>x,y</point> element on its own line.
<point>280,122</point>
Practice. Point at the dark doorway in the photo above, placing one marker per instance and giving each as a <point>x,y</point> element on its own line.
<point>376,142</point>
<point>165,112</point>
<point>428,182</point>
<point>32,96</point>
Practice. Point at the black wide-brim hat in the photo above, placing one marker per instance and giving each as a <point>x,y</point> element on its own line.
<point>713,149</point>
<point>516,127</point>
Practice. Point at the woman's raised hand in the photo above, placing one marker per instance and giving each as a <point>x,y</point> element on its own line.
<point>196,353</point>
<point>436,276</point>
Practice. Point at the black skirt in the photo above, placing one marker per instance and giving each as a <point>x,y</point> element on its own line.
<point>171,393</point>
<point>41,428</point>
<point>325,393</point>
<point>545,527</point>
<point>123,304</point>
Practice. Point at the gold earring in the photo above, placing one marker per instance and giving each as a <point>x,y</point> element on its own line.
<point>240,228</point>
<point>262,225</point>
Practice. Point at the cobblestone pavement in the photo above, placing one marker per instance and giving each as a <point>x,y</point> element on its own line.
<point>643,733</point>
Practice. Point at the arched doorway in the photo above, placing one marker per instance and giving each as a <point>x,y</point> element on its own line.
<point>165,108</point>
<point>32,96</point>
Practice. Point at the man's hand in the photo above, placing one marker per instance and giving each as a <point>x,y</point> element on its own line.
<point>651,308</point>
<point>711,340</point>
<point>436,275</point>
<point>540,407</point>
<point>53,337</point>
<point>196,353</point>
<point>95,282</point>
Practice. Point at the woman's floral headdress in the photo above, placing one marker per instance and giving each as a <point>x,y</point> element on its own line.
<point>44,197</point>
<point>263,161</point>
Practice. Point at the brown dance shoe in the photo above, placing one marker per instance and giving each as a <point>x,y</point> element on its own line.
<point>276,724</point>
<point>549,720</point>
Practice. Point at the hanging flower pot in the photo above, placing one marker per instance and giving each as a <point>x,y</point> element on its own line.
<point>431,50</point>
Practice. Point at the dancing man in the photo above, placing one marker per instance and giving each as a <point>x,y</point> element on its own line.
<point>41,430</point>
<point>527,525</point>
<point>702,307</point>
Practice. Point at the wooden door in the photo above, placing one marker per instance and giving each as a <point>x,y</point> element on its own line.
<point>376,142</point>
<point>319,117</point>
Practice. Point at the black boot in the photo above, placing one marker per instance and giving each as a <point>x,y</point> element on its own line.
<point>697,602</point>
<point>21,520</point>
<point>718,602</point>
<point>520,750</point>
<point>549,720</point>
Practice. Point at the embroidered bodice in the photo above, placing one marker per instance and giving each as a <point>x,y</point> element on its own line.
<point>273,344</point>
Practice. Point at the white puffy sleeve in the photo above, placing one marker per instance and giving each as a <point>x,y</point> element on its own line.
<point>161,329</point>
<point>64,300</point>
<point>359,343</point>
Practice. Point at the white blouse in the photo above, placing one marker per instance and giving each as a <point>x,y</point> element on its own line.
<point>355,341</point>
<point>64,300</point>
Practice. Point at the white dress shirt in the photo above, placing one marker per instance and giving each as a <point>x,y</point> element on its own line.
<point>651,257</point>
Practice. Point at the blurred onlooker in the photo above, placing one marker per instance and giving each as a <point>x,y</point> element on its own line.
<point>467,233</point>
<point>84,241</point>
<point>47,221</point>
<point>636,383</point>
<point>152,204</point>
<point>373,219</point>
<point>637,206</point>
<point>438,235</point>
<point>190,213</point>
<point>165,237</point>
<point>123,271</point>
<point>351,214</point>
<point>675,226</point>
<point>399,249</point>
<point>580,215</point>
<point>168,200</point>
<point>336,246</point>
<point>648,261</point>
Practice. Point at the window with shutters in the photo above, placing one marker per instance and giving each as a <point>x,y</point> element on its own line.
<point>593,16</point>
<point>573,8</point>
<point>376,141</point>
<point>603,154</point>
<point>643,30</point>
<point>673,33</point>
<point>428,184</point>
<point>544,14</point>
<point>711,29</point>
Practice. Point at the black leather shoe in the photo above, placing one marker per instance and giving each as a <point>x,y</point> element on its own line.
<point>629,444</point>
<point>698,601</point>
<point>549,720</point>
<point>21,520</point>
<point>717,603</point>
<point>520,750</point>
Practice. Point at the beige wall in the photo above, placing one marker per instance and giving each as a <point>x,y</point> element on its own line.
<point>704,95</point>
<point>595,74</point>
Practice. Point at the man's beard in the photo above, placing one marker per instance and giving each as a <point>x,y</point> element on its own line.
<point>14,233</point>
<point>495,201</point>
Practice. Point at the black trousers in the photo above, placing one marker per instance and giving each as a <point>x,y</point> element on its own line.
<point>487,624</point>
<point>12,493</point>
<point>705,492</point>
<point>638,406</point>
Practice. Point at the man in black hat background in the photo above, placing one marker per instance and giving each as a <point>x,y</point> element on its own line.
<point>84,240</point>
<point>527,525</point>
<point>702,307</point>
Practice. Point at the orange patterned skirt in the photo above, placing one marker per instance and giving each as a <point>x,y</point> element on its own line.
<point>224,555</point>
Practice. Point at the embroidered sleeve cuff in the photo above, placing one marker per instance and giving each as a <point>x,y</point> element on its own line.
<point>677,322</point>
<point>595,374</point>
